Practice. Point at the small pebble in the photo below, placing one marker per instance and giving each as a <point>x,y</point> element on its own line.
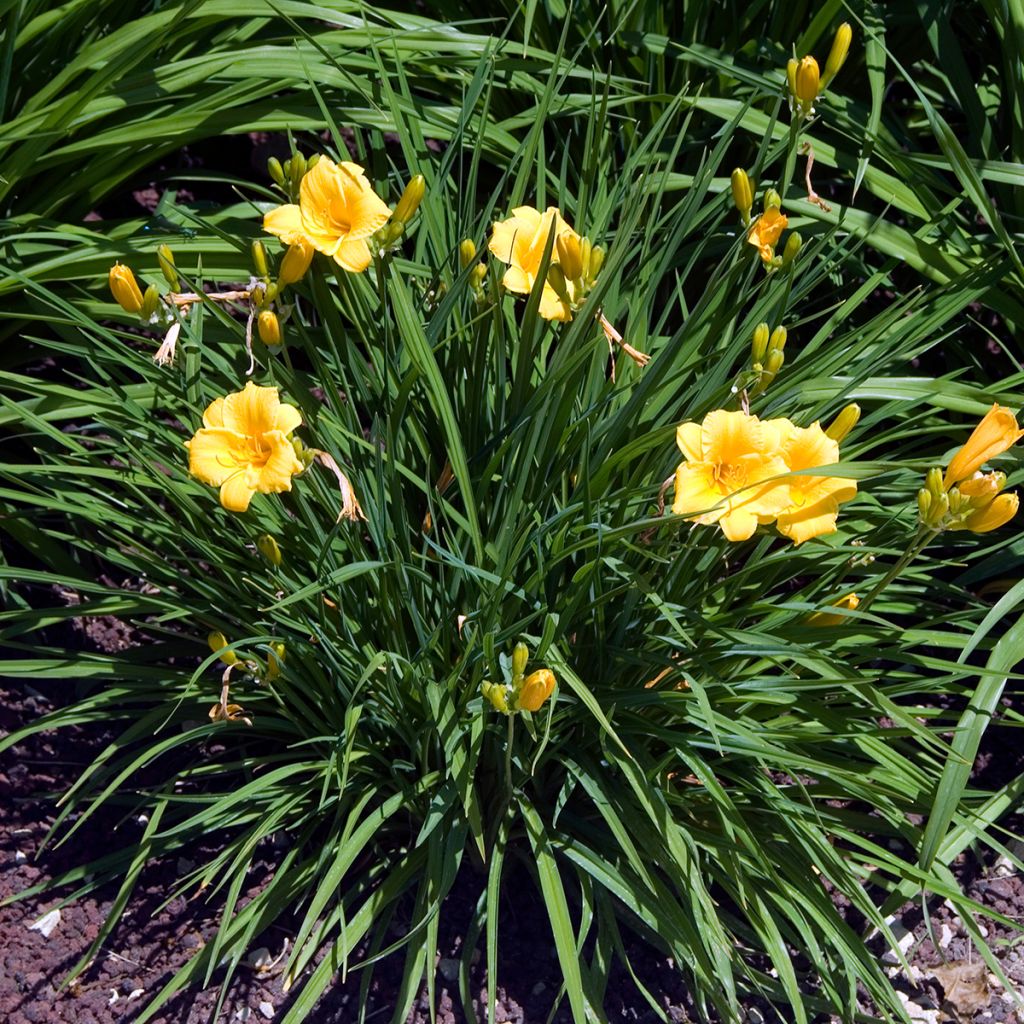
<point>46,924</point>
<point>267,1009</point>
<point>449,968</point>
<point>136,993</point>
<point>19,857</point>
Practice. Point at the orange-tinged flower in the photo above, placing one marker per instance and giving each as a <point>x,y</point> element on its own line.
<point>764,233</point>
<point>847,601</point>
<point>991,437</point>
<point>520,242</point>
<point>244,446</point>
<point>336,213</point>
<point>991,516</point>
<point>730,476</point>
<point>815,500</point>
<point>125,288</point>
<point>537,687</point>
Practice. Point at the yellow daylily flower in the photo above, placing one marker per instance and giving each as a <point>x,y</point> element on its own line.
<point>999,511</point>
<point>729,476</point>
<point>847,601</point>
<point>337,212</point>
<point>520,242</point>
<point>125,288</point>
<point>815,500</point>
<point>244,446</point>
<point>536,689</point>
<point>992,436</point>
<point>765,232</point>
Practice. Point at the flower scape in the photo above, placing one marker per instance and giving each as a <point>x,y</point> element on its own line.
<point>553,500</point>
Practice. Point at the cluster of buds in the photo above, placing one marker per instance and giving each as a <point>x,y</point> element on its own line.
<point>523,692</point>
<point>265,672</point>
<point>807,82</point>
<point>288,176</point>
<point>390,235</point>
<point>477,276</point>
<point>765,230</point>
<point>579,263</point>
<point>766,356</point>
<point>964,498</point>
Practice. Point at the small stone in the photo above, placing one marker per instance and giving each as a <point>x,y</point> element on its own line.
<point>259,959</point>
<point>754,1016</point>
<point>114,996</point>
<point>538,988</point>
<point>19,857</point>
<point>946,935</point>
<point>243,1014</point>
<point>46,924</point>
<point>267,1009</point>
<point>136,993</point>
<point>449,968</point>
<point>185,865</point>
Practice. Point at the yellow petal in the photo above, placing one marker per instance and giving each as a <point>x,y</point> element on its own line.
<point>991,437</point>
<point>816,508</point>
<point>252,411</point>
<point>995,514</point>
<point>281,465</point>
<point>518,281</point>
<point>808,447</point>
<point>695,492</point>
<point>287,418</point>
<point>214,415</point>
<point>552,307</point>
<point>352,256</point>
<point>522,225</point>
<point>727,436</point>
<point>537,687</point>
<point>688,438</point>
<point>236,492</point>
<point>738,524</point>
<point>215,454</point>
<point>286,223</point>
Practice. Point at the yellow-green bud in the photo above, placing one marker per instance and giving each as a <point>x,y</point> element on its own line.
<point>467,252</point>
<point>742,193</point>
<point>772,199</point>
<point>792,248</point>
<point>837,55</point>
<point>595,263</point>
<point>259,258</point>
<point>392,231</point>
<point>774,362</point>
<point>269,328</point>
<point>275,170</point>
<point>924,501</point>
<point>791,65</point>
<point>570,256</point>
<point>165,257</point>
<point>258,296</point>
<point>759,346</point>
<point>586,250</point>
<point>218,642</point>
<point>296,171</point>
<point>844,423</point>
<point>411,198</point>
<point>807,82</point>
<point>269,549</point>
<point>150,302</point>
<point>275,660</point>
<point>933,481</point>
<point>497,694</point>
<point>520,656</point>
<point>295,263</point>
<point>556,278</point>
<point>306,456</point>
<point>312,162</point>
<point>477,275</point>
<point>777,342</point>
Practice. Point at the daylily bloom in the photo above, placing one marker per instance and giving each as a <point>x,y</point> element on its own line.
<point>337,212</point>
<point>815,500</point>
<point>520,242</point>
<point>730,476</point>
<point>536,689</point>
<point>996,513</point>
<point>244,446</point>
<point>992,436</point>
<point>765,232</point>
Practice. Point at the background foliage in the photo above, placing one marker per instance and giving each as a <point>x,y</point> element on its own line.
<point>702,812</point>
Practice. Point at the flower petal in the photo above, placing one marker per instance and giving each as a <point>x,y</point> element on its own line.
<point>688,438</point>
<point>215,454</point>
<point>353,256</point>
<point>214,415</point>
<point>252,411</point>
<point>281,465</point>
<point>728,436</point>
<point>286,223</point>
<point>552,307</point>
<point>738,524</point>
<point>991,437</point>
<point>287,418</point>
<point>236,492</point>
<point>518,281</point>
<point>997,512</point>
<point>696,491</point>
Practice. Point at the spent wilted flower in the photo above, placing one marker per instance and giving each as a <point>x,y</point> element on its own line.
<point>992,436</point>
<point>244,446</point>
<point>765,231</point>
<point>337,212</point>
<point>732,472</point>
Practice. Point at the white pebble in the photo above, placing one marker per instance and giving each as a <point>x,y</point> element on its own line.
<point>267,1009</point>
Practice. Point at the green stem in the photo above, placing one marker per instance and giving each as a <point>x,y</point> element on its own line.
<point>508,753</point>
<point>924,536</point>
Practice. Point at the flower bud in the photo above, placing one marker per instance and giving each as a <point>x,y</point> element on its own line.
<point>269,328</point>
<point>570,257</point>
<point>924,503</point>
<point>807,81</point>
<point>844,423</point>
<point>777,342</point>
<point>759,346</point>
<point>595,263</point>
<point>218,642</point>
<point>536,689</point>
<point>996,513</point>
<point>295,263</point>
<point>791,65</point>
<point>556,278</point>
<point>467,252</point>
<point>125,288</point>
<point>742,193</point>
<point>312,161</point>
<point>269,549</point>
<point>259,258</point>
<point>933,481</point>
<point>411,198</point>
<point>276,171</point>
<point>497,694</point>
<point>847,601</point>
<point>477,275</point>
<point>792,248</point>
<point>774,361</point>
<point>150,302</point>
<point>520,656</point>
<point>258,296</point>
<point>772,200</point>
<point>275,660</point>
<point>837,55</point>
<point>296,172</point>
<point>165,257</point>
